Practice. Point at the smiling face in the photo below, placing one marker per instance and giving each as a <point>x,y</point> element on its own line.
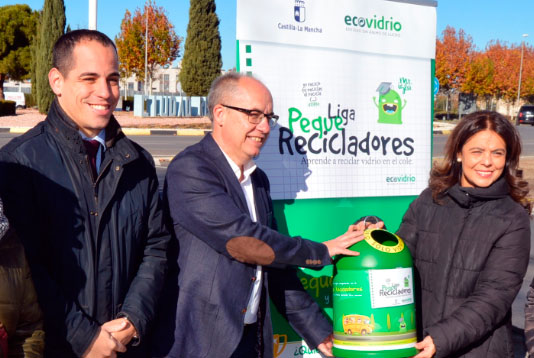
<point>483,158</point>
<point>390,102</point>
<point>237,137</point>
<point>89,91</point>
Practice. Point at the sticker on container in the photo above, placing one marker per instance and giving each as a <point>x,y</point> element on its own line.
<point>391,287</point>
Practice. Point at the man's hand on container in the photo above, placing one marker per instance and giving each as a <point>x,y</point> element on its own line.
<point>340,244</point>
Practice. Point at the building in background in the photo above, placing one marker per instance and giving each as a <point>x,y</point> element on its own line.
<point>166,82</point>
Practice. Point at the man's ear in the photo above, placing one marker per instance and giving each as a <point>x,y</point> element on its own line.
<point>55,79</point>
<point>218,115</point>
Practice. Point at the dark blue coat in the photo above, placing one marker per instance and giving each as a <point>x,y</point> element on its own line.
<point>218,247</point>
<point>96,251</point>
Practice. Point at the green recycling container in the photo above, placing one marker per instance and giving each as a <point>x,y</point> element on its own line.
<point>373,299</point>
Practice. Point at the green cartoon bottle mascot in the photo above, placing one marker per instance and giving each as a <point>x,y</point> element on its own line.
<point>389,104</point>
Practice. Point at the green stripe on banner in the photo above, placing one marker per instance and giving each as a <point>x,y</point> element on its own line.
<point>237,62</point>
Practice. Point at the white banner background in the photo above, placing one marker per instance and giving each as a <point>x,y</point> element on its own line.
<point>322,65</point>
<point>335,55</point>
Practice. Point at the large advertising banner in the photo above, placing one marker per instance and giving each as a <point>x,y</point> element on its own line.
<point>352,83</point>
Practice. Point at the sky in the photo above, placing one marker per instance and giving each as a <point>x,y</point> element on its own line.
<point>483,20</point>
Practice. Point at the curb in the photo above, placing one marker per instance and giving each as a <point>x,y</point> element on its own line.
<point>159,131</point>
<point>162,161</point>
<point>130,131</point>
<point>444,132</point>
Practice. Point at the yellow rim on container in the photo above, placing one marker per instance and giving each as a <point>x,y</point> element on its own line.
<point>387,249</point>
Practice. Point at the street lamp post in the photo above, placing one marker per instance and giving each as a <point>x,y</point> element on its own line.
<point>146,47</point>
<point>521,68</point>
<point>93,4</point>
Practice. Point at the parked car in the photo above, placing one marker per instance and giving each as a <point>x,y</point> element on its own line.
<point>17,97</point>
<point>525,115</point>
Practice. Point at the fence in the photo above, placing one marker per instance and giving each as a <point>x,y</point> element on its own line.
<point>17,89</point>
<point>169,106</point>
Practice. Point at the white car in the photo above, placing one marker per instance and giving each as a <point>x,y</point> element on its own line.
<point>17,97</point>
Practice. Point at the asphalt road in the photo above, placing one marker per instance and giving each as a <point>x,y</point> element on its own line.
<point>164,146</point>
<point>158,145</point>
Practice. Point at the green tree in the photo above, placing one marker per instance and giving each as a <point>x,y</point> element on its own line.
<point>202,55</point>
<point>34,50</point>
<point>17,24</point>
<point>163,43</point>
<point>52,26</point>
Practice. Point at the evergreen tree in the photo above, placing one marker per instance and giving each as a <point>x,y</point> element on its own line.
<point>202,55</point>
<point>17,24</point>
<point>52,26</point>
<point>34,50</point>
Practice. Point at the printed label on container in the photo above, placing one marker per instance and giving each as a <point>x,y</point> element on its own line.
<point>392,287</point>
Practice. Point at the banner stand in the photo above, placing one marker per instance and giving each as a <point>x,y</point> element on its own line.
<point>352,83</point>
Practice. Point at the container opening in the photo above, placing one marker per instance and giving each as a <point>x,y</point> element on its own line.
<point>384,238</point>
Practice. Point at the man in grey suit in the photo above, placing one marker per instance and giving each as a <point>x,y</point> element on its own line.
<point>230,259</point>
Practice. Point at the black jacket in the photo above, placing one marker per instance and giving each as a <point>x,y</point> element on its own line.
<point>470,254</point>
<point>96,250</point>
<point>20,314</point>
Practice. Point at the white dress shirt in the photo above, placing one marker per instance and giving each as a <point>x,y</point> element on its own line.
<point>246,185</point>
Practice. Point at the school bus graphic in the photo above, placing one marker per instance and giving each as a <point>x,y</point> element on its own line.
<point>355,323</point>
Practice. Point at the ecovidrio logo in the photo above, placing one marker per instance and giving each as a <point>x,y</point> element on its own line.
<point>399,179</point>
<point>374,23</point>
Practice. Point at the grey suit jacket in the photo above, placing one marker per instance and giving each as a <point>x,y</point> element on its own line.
<point>216,249</point>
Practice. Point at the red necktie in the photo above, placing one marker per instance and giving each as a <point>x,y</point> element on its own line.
<point>91,147</point>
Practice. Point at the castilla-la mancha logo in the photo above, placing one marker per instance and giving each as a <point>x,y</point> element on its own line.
<point>300,11</point>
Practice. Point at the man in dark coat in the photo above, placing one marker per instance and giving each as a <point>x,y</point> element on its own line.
<point>88,213</point>
<point>21,318</point>
<point>231,259</point>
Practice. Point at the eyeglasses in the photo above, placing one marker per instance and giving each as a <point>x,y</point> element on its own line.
<point>255,116</point>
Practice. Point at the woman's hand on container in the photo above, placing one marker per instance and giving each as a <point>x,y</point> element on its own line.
<point>426,347</point>
<point>340,244</point>
<point>326,346</point>
<point>362,225</point>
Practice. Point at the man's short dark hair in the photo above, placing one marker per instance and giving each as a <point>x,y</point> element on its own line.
<point>62,53</point>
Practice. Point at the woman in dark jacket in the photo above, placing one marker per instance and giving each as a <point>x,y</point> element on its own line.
<point>469,235</point>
